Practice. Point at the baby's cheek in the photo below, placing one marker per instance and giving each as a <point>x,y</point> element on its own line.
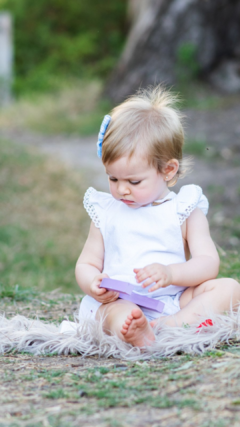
<point>143,196</point>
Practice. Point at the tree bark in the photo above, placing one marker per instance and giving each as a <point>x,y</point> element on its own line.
<point>179,39</point>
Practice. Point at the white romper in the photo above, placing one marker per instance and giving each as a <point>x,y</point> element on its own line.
<point>135,238</point>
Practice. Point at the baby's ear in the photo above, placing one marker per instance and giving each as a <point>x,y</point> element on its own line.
<point>171,168</point>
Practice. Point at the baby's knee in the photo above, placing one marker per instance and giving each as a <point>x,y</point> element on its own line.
<point>232,288</point>
<point>231,284</point>
<point>114,313</point>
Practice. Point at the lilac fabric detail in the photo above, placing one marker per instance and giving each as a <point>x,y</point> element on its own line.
<point>117,285</point>
<point>103,128</point>
<point>126,292</point>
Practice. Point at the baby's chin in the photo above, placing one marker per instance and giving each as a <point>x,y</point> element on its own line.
<point>135,205</point>
<point>132,205</point>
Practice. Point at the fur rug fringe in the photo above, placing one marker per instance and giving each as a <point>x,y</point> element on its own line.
<point>88,339</point>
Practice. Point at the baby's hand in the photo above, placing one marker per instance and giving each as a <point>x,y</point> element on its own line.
<point>101,294</point>
<point>161,274</point>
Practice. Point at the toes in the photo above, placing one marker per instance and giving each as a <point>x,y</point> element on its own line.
<point>137,313</point>
<point>125,326</point>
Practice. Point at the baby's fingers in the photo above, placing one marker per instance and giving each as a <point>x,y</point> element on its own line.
<point>148,282</point>
<point>110,296</point>
<point>100,291</point>
<point>141,276</point>
<point>114,297</point>
<point>158,285</point>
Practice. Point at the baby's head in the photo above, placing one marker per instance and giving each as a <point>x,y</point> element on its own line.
<point>146,124</point>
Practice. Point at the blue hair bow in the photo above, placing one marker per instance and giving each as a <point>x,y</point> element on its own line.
<point>101,134</point>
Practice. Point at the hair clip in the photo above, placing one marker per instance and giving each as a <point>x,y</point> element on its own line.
<point>103,128</point>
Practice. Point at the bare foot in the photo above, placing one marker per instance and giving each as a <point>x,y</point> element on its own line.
<point>136,330</point>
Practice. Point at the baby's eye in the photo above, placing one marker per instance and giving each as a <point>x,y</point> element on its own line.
<point>113,179</point>
<point>134,182</point>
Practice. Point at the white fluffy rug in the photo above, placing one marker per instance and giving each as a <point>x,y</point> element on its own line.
<point>87,338</point>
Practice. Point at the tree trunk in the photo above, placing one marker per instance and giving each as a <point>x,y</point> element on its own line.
<point>172,40</point>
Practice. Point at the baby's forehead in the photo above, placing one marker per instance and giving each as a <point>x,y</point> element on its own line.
<point>129,165</point>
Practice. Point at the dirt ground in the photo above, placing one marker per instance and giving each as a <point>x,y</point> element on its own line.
<point>60,391</point>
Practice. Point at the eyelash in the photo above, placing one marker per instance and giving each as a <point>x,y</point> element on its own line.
<point>131,182</point>
<point>135,182</point>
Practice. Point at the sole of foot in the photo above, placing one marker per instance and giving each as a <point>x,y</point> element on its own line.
<point>136,330</point>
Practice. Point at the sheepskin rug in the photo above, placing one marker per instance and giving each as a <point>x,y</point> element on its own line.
<point>88,339</point>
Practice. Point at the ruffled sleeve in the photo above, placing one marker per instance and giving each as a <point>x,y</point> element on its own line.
<point>97,204</point>
<point>189,198</point>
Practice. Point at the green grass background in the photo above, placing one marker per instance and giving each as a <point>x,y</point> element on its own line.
<point>42,222</point>
<point>43,225</point>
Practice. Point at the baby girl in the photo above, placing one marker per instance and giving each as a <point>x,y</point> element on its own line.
<point>143,233</point>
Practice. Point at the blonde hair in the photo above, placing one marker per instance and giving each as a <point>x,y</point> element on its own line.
<point>150,122</point>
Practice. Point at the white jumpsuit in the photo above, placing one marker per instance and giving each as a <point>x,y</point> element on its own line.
<point>134,238</point>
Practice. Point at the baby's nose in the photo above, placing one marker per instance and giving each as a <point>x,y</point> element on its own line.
<point>123,188</point>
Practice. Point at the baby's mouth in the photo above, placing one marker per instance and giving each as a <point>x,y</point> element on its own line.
<point>128,202</point>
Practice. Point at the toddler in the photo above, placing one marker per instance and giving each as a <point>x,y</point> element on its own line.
<point>145,234</point>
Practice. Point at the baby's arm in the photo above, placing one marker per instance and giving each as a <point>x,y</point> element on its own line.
<point>90,265</point>
<point>203,265</point>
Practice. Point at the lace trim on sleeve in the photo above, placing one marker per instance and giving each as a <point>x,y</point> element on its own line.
<point>186,212</point>
<point>183,216</point>
<point>90,208</point>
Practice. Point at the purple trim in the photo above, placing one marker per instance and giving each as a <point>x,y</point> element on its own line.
<point>126,292</point>
<point>117,285</point>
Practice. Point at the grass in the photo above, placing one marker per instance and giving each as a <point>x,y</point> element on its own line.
<point>42,229</point>
<point>16,293</point>
<point>57,394</point>
<point>196,148</point>
<point>198,95</point>
<point>200,148</point>
<point>42,222</point>
<point>230,265</point>
<point>43,225</point>
<point>133,387</point>
<point>76,108</point>
<point>61,391</point>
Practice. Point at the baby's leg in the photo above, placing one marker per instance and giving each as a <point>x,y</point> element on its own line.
<point>213,296</point>
<point>127,321</point>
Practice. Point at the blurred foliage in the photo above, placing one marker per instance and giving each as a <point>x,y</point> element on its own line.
<point>77,108</point>
<point>73,38</point>
<point>187,67</point>
<point>43,225</point>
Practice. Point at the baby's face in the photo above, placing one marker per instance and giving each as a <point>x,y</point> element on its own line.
<point>134,182</point>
